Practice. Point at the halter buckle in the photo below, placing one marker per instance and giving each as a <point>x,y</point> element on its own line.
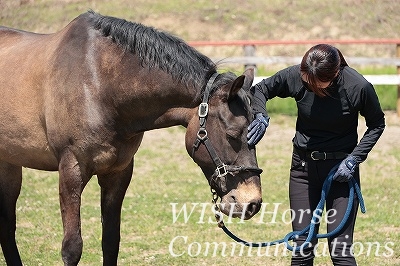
<point>203,110</point>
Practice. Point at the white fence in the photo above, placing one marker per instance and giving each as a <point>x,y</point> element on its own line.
<point>253,61</point>
<point>373,79</point>
<point>288,60</point>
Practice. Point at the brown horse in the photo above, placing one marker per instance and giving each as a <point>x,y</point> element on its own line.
<point>79,101</point>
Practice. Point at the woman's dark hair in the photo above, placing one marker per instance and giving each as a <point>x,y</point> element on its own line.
<point>321,63</point>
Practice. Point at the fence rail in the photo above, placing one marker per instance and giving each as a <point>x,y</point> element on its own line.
<point>291,42</point>
<point>373,79</point>
<point>270,60</point>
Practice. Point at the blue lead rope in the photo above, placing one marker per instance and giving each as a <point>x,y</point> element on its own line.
<point>310,229</point>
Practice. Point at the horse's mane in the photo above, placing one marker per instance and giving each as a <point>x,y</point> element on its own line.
<point>157,49</point>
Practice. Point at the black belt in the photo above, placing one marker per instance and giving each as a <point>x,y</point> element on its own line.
<point>320,155</point>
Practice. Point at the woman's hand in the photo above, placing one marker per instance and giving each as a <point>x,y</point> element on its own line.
<point>257,129</point>
<point>346,169</point>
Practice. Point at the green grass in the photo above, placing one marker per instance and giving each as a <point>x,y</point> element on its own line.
<point>164,174</point>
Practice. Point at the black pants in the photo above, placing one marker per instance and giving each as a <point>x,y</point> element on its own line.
<point>306,179</point>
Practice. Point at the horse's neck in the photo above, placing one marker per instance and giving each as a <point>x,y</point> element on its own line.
<point>145,98</point>
<point>156,101</point>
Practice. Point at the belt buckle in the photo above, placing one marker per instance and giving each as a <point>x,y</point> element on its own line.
<point>316,159</point>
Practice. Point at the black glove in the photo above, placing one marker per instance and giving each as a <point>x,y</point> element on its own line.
<point>257,128</point>
<point>346,169</point>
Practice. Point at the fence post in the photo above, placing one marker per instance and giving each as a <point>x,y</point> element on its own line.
<point>250,50</point>
<point>398,85</point>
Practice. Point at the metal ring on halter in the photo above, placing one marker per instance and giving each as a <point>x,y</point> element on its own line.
<point>202,134</point>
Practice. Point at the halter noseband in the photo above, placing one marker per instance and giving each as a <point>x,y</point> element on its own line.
<point>222,170</point>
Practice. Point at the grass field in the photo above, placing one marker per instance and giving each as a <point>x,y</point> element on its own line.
<point>165,176</point>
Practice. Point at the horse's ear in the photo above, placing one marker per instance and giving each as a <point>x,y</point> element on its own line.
<point>249,77</point>
<point>242,82</point>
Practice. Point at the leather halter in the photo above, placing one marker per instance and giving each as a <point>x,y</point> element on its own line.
<point>218,179</point>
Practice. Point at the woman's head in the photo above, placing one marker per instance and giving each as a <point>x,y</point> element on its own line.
<point>320,66</point>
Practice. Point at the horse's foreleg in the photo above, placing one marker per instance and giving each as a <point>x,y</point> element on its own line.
<point>10,186</point>
<point>113,189</point>
<point>73,179</point>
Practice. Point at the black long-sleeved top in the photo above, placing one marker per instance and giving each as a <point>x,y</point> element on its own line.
<point>327,123</point>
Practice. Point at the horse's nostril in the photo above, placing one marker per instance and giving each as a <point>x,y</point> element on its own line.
<point>233,199</point>
<point>252,208</point>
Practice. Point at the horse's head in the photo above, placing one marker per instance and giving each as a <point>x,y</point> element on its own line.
<point>216,140</point>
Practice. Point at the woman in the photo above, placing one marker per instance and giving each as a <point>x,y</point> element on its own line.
<point>329,96</point>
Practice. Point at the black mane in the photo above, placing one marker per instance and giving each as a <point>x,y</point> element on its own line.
<point>157,49</point>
